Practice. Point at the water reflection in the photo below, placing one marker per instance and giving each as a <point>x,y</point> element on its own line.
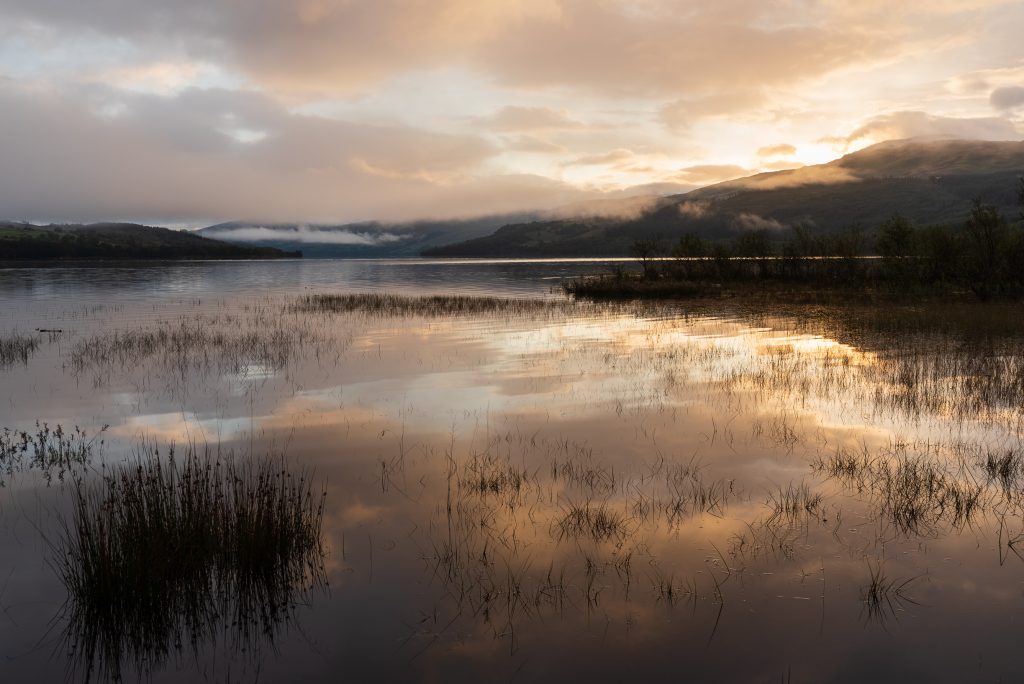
<point>52,452</point>
<point>145,282</point>
<point>605,492</point>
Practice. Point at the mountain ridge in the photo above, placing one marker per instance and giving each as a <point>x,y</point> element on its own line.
<point>926,181</point>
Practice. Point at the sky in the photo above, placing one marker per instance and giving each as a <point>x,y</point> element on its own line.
<point>196,111</point>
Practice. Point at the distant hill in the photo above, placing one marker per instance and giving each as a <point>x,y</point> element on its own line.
<point>354,240</point>
<point>118,241</point>
<point>927,181</point>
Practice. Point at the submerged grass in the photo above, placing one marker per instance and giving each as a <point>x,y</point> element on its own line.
<point>915,492</point>
<point>1005,467</point>
<point>598,521</point>
<point>792,501</point>
<point>52,451</point>
<point>174,552</point>
<point>882,598</point>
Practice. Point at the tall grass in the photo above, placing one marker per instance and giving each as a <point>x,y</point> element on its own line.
<point>17,347</point>
<point>170,553</point>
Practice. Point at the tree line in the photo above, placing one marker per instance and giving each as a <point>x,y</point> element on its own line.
<point>984,254</point>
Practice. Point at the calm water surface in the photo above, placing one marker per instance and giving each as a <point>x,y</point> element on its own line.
<point>553,492</point>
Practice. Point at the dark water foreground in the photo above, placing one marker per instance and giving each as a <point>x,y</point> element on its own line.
<point>525,491</point>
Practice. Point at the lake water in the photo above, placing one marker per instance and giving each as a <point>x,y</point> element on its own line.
<point>543,491</point>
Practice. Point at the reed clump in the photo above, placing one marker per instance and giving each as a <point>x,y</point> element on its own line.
<point>17,347</point>
<point>598,521</point>
<point>171,553</point>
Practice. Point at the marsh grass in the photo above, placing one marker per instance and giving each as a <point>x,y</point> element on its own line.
<point>17,347</point>
<point>792,501</point>
<point>668,590</point>
<point>531,523</point>
<point>621,286</point>
<point>847,465</point>
<point>598,521</point>
<point>227,345</point>
<point>171,553</point>
<point>507,482</point>
<point>52,451</point>
<point>578,470</point>
<point>883,598</point>
<point>1005,467</point>
<point>693,496</point>
<point>915,492</point>
<point>427,305</point>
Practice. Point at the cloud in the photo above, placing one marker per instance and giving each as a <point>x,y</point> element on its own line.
<point>626,208</point>
<point>684,112</point>
<point>72,156</point>
<point>310,47</point>
<point>899,125</point>
<point>326,110</point>
<point>780,150</point>
<point>746,221</point>
<point>651,49</point>
<point>983,81</point>
<point>1008,97</point>
<point>515,118</point>
<point>711,173</point>
<point>781,165</point>
<point>695,209</point>
<point>658,188</point>
<point>616,156</point>
<point>825,174</point>
<point>305,234</point>
<point>532,143</point>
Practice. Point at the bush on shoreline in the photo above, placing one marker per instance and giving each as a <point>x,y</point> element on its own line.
<point>983,260</point>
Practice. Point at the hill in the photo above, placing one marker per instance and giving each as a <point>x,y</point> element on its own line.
<point>359,240</point>
<point>926,181</point>
<point>22,241</point>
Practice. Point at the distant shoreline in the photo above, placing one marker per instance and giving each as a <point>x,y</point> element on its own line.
<point>792,280</point>
<point>99,262</point>
<point>22,242</point>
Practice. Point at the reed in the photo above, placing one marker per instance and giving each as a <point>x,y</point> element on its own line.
<point>17,347</point>
<point>173,552</point>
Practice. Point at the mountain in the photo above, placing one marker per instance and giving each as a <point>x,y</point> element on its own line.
<point>118,241</point>
<point>368,239</point>
<point>927,181</point>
